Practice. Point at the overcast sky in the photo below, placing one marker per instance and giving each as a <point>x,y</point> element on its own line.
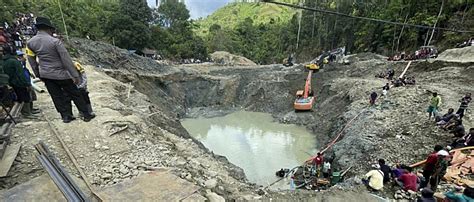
<point>200,8</point>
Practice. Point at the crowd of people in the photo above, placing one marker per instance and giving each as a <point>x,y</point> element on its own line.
<point>396,82</point>
<point>436,163</point>
<point>393,82</point>
<point>452,122</point>
<point>51,63</point>
<point>17,32</point>
<point>424,52</point>
<point>427,182</point>
<point>469,42</point>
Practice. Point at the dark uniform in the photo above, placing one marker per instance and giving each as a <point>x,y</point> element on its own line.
<point>57,71</point>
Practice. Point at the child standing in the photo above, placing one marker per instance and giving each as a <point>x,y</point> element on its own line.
<point>83,88</point>
<point>28,77</point>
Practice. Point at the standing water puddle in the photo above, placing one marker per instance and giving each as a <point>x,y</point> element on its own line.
<point>252,141</point>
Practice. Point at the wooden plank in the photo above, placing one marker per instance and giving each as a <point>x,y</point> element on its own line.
<point>405,71</point>
<point>8,157</point>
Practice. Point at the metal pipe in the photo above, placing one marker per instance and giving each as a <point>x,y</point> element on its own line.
<point>36,87</point>
<point>62,172</point>
<point>73,159</point>
<point>35,80</point>
<point>58,174</point>
<point>60,183</point>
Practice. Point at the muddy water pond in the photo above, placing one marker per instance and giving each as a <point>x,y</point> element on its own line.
<point>254,142</point>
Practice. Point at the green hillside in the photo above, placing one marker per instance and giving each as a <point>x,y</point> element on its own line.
<point>235,13</point>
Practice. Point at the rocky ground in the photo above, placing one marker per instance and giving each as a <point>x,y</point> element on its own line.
<point>120,143</point>
<point>147,99</point>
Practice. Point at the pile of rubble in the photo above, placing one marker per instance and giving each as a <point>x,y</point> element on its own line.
<point>407,195</point>
<point>461,168</point>
<point>228,59</point>
<point>464,55</point>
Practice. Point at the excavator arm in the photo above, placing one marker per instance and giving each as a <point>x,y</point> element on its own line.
<point>307,86</point>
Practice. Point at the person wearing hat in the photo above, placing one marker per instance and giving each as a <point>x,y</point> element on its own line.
<point>440,169</point>
<point>12,68</point>
<point>430,164</point>
<point>374,178</point>
<point>466,196</point>
<point>56,70</point>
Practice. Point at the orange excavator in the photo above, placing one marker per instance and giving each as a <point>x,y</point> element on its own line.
<point>305,98</point>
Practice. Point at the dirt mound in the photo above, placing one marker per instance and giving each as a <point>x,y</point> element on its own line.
<point>463,55</point>
<point>107,56</point>
<point>364,57</point>
<point>226,58</point>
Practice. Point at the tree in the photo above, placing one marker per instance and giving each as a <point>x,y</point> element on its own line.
<point>138,10</point>
<point>173,35</point>
<point>129,27</point>
<point>127,33</point>
<point>173,14</point>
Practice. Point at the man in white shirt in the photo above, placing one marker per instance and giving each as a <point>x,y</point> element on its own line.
<point>374,178</point>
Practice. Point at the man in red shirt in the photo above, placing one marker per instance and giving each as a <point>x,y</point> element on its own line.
<point>318,162</point>
<point>430,164</point>
<point>408,180</point>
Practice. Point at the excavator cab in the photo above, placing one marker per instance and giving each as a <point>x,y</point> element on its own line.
<point>312,66</point>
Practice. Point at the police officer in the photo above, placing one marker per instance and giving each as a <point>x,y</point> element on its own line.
<point>56,70</point>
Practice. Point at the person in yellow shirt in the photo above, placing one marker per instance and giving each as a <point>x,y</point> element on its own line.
<point>435,102</point>
<point>374,178</point>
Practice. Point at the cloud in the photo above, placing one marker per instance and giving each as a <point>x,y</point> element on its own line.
<point>151,3</point>
<point>199,8</point>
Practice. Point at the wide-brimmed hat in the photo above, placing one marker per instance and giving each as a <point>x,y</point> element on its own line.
<point>42,21</point>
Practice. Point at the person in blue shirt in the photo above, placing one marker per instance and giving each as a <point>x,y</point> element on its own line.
<point>466,196</point>
<point>28,77</point>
